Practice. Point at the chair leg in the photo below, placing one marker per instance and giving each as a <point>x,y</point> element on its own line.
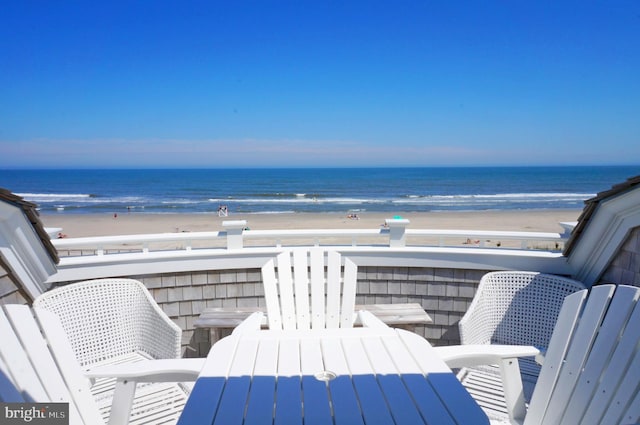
<point>122,402</point>
<point>214,335</point>
<point>513,392</point>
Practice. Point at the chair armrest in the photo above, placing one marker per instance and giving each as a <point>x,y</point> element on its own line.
<point>129,374</point>
<point>505,356</point>
<point>369,320</point>
<point>163,370</point>
<point>457,356</point>
<point>251,323</point>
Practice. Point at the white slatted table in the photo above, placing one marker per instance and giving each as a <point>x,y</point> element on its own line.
<point>382,375</point>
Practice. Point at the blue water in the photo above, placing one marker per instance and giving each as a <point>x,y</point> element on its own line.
<point>312,190</point>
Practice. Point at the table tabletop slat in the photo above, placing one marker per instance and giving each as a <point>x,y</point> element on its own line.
<point>267,358</point>
<point>399,400</point>
<point>203,400</point>
<point>333,357</point>
<point>245,358</point>
<point>311,361</point>
<point>453,394</point>
<point>387,359</point>
<point>260,407</point>
<point>233,401</point>
<point>427,401</point>
<point>356,357</point>
<point>346,409</point>
<point>289,358</point>
<point>372,400</point>
<point>379,357</point>
<point>317,410</point>
<point>288,401</point>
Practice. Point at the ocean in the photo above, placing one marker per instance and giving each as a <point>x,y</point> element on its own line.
<point>347,190</point>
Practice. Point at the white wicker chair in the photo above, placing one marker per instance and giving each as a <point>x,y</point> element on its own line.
<point>513,308</point>
<point>112,321</point>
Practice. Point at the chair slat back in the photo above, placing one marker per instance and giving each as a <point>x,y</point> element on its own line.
<point>8,390</point>
<point>609,351</point>
<point>592,367</point>
<point>334,283</point>
<point>35,347</point>
<point>350,280</point>
<point>316,272</point>
<point>301,293</point>
<point>68,365</point>
<point>37,371</point>
<point>15,367</point>
<point>271,295</point>
<point>301,279</point>
<point>285,285</point>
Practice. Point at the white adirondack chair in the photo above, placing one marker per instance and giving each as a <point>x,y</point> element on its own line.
<point>591,370</point>
<point>116,321</point>
<point>303,296</point>
<point>37,364</point>
<point>514,308</point>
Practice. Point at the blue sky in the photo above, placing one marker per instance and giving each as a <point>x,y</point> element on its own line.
<point>309,83</point>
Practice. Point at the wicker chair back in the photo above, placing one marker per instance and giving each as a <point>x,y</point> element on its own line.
<point>109,318</point>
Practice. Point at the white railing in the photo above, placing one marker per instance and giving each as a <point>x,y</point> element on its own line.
<point>237,248</point>
<point>395,234</point>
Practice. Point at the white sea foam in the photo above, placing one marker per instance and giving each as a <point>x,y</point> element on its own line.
<point>270,212</point>
<point>299,200</point>
<point>494,198</point>
<point>52,196</point>
<point>416,200</point>
<point>180,201</point>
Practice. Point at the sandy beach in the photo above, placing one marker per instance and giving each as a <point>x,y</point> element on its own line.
<point>81,225</point>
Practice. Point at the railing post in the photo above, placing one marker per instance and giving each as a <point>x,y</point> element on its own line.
<point>397,227</point>
<point>234,230</point>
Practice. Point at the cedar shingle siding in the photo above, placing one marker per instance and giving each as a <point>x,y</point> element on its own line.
<point>624,269</point>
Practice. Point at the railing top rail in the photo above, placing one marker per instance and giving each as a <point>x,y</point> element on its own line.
<point>140,238</point>
<point>486,233</point>
<point>299,233</point>
<point>313,232</point>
